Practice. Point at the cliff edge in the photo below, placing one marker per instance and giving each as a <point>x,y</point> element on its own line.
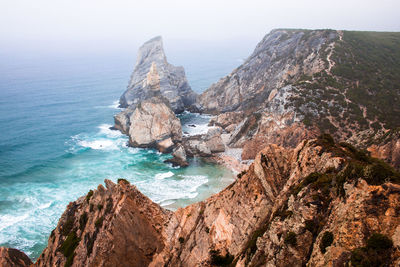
<point>320,204</point>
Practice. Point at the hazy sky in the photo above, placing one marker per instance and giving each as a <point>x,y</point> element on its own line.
<point>98,23</point>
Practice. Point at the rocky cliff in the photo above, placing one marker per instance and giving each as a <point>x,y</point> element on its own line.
<point>173,83</point>
<point>320,204</point>
<point>300,83</point>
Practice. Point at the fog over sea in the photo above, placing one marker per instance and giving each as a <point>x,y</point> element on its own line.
<point>56,145</point>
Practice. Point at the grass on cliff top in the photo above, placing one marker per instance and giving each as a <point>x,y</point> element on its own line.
<point>372,59</point>
<point>367,73</point>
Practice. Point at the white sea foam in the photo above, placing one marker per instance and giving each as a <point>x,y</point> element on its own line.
<point>163,175</point>
<point>114,105</point>
<point>166,190</point>
<point>105,129</point>
<point>45,206</point>
<point>8,220</point>
<point>103,144</point>
<point>167,202</point>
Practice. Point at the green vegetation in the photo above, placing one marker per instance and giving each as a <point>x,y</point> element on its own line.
<point>89,195</point>
<point>326,241</point>
<point>99,222</point>
<point>218,260</point>
<point>359,165</point>
<point>366,75</point>
<point>68,247</point>
<point>99,207</point>
<point>291,239</point>
<point>376,253</point>
<point>67,226</point>
<point>181,240</point>
<point>82,221</point>
<point>372,59</point>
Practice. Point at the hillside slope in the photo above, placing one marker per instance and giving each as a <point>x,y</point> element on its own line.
<point>313,81</point>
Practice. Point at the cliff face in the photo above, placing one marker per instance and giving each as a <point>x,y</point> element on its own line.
<point>320,204</point>
<point>173,83</point>
<point>112,226</point>
<point>301,83</point>
<point>280,57</point>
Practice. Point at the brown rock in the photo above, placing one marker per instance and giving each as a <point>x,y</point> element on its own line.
<point>275,214</point>
<point>10,257</point>
<point>114,226</point>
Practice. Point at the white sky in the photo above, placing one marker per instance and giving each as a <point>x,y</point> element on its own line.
<point>94,23</point>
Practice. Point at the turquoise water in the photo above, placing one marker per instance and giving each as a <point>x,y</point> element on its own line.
<point>55,141</point>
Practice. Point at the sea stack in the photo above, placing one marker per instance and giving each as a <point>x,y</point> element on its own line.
<point>173,83</point>
<point>151,123</point>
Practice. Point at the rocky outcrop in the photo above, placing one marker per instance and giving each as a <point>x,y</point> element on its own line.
<point>303,82</point>
<point>151,123</point>
<point>112,226</point>
<point>282,56</point>
<point>204,145</point>
<point>10,257</point>
<point>178,157</point>
<point>320,204</point>
<point>173,83</point>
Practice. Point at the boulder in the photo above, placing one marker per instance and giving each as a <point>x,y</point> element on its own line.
<point>153,124</point>
<point>179,157</point>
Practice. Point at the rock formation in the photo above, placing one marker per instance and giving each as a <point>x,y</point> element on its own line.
<point>151,123</point>
<point>154,125</point>
<point>178,157</point>
<point>10,257</point>
<point>173,83</point>
<point>320,204</point>
<point>300,83</point>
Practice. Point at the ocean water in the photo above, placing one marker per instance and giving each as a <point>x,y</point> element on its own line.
<point>56,145</point>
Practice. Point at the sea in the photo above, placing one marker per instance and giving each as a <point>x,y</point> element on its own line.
<point>56,111</point>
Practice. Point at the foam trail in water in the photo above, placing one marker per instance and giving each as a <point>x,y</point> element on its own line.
<point>164,175</point>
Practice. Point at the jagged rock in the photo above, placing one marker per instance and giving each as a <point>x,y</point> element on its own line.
<point>310,205</point>
<point>272,63</point>
<point>173,83</point>
<point>112,226</point>
<point>179,157</point>
<point>10,257</point>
